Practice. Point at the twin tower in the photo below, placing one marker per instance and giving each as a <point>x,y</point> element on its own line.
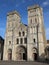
<point>25,42</point>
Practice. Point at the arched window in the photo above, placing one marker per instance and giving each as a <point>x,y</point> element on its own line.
<point>21,40</point>
<point>19,33</point>
<point>34,53</point>
<point>25,40</point>
<point>9,42</point>
<point>31,20</point>
<point>23,33</point>
<point>17,41</point>
<point>35,20</point>
<point>9,54</point>
<point>34,40</point>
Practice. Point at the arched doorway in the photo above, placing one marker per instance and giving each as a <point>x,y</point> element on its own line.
<point>34,54</point>
<point>9,54</point>
<point>21,53</point>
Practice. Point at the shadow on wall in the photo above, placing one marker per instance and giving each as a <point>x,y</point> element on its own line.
<point>41,58</point>
<point>42,55</point>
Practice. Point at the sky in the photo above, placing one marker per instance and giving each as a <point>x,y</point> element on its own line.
<point>21,6</point>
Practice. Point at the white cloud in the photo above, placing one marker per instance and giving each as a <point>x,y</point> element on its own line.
<point>45,3</point>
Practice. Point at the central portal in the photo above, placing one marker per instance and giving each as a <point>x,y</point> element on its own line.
<point>21,54</point>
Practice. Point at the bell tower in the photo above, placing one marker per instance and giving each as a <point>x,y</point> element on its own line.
<point>13,21</point>
<point>36,33</point>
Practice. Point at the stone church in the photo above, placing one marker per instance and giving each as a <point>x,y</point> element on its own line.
<point>25,42</point>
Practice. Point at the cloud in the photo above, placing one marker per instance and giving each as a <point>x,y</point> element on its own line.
<point>45,3</point>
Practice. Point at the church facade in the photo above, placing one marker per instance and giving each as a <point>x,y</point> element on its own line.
<point>25,42</point>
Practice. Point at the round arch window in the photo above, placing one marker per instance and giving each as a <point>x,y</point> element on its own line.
<point>19,33</point>
<point>23,33</point>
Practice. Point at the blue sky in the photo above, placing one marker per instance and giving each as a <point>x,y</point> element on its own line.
<point>21,7</point>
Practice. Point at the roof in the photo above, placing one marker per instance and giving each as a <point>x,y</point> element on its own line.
<point>33,7</point>
<point>13,12</point>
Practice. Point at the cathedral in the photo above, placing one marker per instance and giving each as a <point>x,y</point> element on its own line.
<point>25,42</point>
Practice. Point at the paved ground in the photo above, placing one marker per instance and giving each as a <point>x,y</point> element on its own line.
<point>21,63</point>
